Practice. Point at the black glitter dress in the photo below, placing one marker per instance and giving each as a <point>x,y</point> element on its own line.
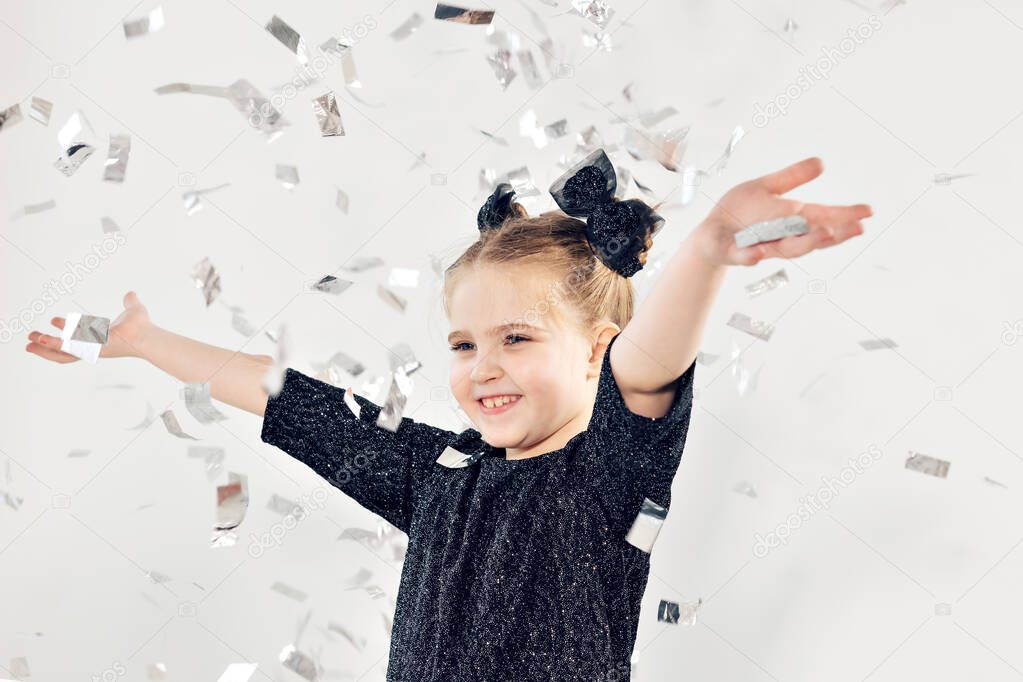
<point>515,569</point>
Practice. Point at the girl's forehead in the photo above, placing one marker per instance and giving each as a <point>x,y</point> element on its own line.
<point>490,295</point>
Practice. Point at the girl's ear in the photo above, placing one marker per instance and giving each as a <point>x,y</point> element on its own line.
<point>602,335</point>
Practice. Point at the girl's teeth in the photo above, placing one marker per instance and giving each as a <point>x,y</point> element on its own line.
<point>497,402</point>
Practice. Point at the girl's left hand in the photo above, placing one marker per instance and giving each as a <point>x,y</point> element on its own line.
<point>760,199</point>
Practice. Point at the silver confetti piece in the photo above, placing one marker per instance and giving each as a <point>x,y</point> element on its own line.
<point>460,15</point>
<point>363,263</point>
<point>205,277</point>
<point>667,612</point>
<point>692,178</point>
<point>926,464</point>
<point>173,427</point>
<point>273,380</point>
<point>328,115</point>
<point>521,181</point>
<point>331,285</point>
<point>769,230</point>
<point>30,209</point>
<point>947,178</point>
<point>529,70</point>
<point>593,10</point>
<point>199,404</point>
<point>117,158</point>
<point>289,591</point>
<point>81,347</point>
<point>286,507</point>
<point>92,329</point>
<point>688,612</point>
<point>232,502</point>
<point>41,110</point>
<point>500,61</point>
<point>719,165</point>
<point>193,201</point>
<point>79,453</point>
<point>706,359</point>
<point>407,27</point>
<point>287,175</point>
<point>288,37</point>
<point>70,161</point>
<point>759,329</point>
<point>348,69</point>
<point>651,119</point>
<point>403,277</point>
<point>745,488</point>
<point>647,525</point>
<point>10,499</point>
<point>10,116</point>
<point>454,459</point>
<point>341,201</point>
<point>878,344</point>
<point>358,642</point>
<point>299,663</point>
<point>403,358</point>
<point>151,23</point>
<point>108,225</point>
<point>340,362</point>
<point>769,283</point>
<point>997,484</point>
<point>390,414</point>
<point>212,456</point>
<point>157,578</point>
<point>238,672</point>
<point>393,299</point>
<point>210,90</point>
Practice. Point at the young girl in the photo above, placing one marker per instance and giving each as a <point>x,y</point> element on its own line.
<point>518,564</point>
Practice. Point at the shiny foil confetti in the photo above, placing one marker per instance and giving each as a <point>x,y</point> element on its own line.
<point>878,344</point>
<point>651,119</point>
<point>10,116</point>
<point>362,263</point>
<point>192,199</point>
<point>460,15</point>
<point>170,421</point>
<point>925,464</point>
<point>454,459</point>
<point>331,285</point>
<point>286,507</point>
<point>288,37</point>
<point>706,359</point>
<point>287,175</point>
<point>199,403</point>
<point>238,672</point>
<point>211,455</point>
<point>41,110</point>
<point>692,178</point>
<point>348,70</point>
<point>647,525</point>
<point>759,329</point>
<point>529,70</point>
<point>341,200</point>
<point>769,230</point>
<point>289,591</point>
<point>407,27</point>
<point>232,502</point>
<point>947,178</point>
<point>402,357</point>
<point>393,299</point>
<point>500,61</point>
<point>394,404</point>
<point>81,333</point>
<point>299,663</point>
<point>328,116</point>
<point>205,277</point>
<point>667,612</point>
<point>117,158</point>
<point>273,380</point>
<point>30,209</point>
<point>721,163</point>
<point>79,453</point>
<point>151,23</point>
<point>745,488</point>
<point>108,225</point>
<point>403,277</point>
<point>769,283</point>
<point>10,499</point>
<point>593,10</point>
<point>71,160</point>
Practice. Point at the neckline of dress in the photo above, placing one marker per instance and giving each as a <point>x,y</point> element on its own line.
<point>493,454</point>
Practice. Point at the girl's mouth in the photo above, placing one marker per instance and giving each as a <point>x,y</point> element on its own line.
<point>490,411</point>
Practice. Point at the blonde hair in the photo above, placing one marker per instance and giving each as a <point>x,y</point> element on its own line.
<point>553,243</point>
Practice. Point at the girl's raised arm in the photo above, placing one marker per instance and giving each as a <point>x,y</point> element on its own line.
<point>235,378</point>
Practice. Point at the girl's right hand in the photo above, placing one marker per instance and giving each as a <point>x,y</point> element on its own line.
<point>123,339</point>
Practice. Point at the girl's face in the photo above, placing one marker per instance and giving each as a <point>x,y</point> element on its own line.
<point>506,342</point>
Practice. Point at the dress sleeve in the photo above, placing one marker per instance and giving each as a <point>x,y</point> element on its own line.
<point>382,471</point>
<point>632,456</point>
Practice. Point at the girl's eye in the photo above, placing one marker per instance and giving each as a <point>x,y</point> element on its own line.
<point>458,346</point>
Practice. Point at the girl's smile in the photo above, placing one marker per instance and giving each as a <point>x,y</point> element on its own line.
<point>499,405</point>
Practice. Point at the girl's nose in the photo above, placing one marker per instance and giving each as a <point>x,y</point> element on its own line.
<point>486,368</point>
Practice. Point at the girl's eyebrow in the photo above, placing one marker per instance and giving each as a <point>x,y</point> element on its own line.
<point>498,329</point>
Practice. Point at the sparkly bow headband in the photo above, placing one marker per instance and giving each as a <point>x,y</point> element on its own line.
<point>616,230</point>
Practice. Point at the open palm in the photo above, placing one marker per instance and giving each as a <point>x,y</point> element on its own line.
<point>122,339</point>
<point>760,199</point>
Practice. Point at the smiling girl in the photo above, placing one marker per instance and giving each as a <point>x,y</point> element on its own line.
<point>518,567</point>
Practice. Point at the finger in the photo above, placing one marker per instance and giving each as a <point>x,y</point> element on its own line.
<point>45,339</point>
<point>835,215</point>
<point>57,322</point>
<point>130,298</point>
<point>50,354</point>
<point>793,176</point>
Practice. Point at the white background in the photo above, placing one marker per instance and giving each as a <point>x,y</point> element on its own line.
<point>855,592</point>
